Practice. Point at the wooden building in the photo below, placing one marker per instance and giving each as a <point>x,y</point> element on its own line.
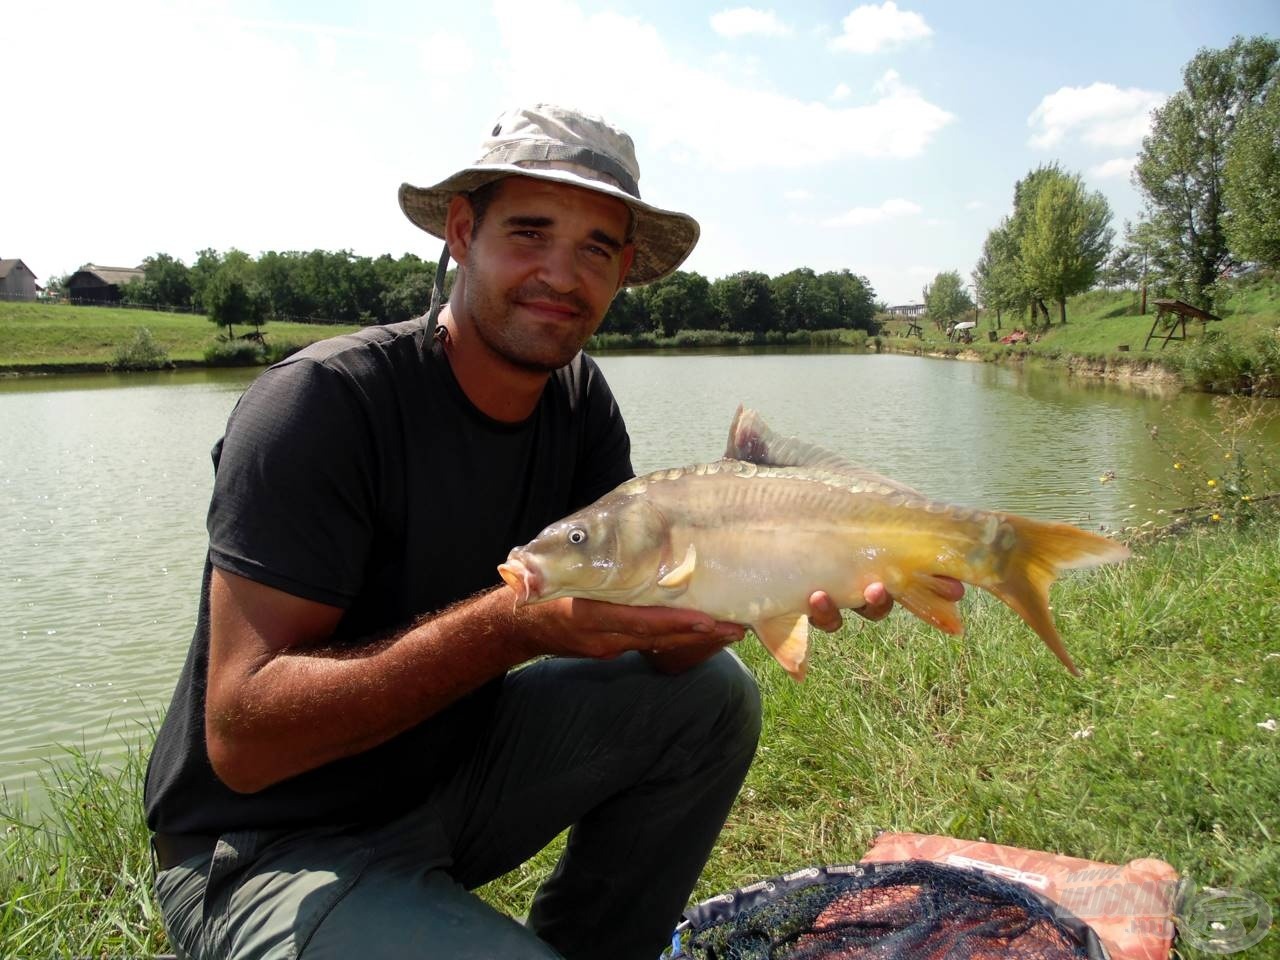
<point>16,280</point>
<point>94,284</point>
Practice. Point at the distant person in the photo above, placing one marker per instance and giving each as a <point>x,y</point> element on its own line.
<point>351,748</point>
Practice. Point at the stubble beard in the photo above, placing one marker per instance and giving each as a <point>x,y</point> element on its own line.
<point>492,314</point>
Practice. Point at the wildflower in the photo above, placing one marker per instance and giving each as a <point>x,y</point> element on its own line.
<point>1177,465</point>
<point>1086,732</point>
<point>1269,725</point>
<point>1213,483</point>
<point>1216,517</point>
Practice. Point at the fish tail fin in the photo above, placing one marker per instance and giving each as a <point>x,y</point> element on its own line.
<point>1039,553</point>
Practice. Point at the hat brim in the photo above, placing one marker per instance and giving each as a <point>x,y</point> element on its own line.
<point>663,238</point>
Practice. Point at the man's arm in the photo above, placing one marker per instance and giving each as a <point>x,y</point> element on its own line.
<point>281,700</point>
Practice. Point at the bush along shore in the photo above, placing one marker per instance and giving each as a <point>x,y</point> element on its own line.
<point>1167,747</point>
<point>1105,338</point>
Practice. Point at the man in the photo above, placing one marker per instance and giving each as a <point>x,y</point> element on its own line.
<point>350,750</point>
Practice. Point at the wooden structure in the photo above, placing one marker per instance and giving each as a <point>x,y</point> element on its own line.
<point>17,280</point>
<point>1175,313</point>
<point>913,328</point>
<point>94,284</point>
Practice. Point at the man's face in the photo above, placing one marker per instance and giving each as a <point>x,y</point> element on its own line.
<point>541,269</point>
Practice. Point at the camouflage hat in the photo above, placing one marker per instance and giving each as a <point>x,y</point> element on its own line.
<point>565,146</point>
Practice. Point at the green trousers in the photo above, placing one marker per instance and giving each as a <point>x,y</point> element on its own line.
<point>641,767</point>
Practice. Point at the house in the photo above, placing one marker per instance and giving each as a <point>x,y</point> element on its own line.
<point>908,310</point>
<point>94,284</point>
<point>16,280</point>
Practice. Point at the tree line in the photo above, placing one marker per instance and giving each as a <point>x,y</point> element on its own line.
<point>318,286</point>
<point>339,287</point>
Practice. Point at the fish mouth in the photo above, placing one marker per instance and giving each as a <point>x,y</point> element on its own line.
<point>523,577</point>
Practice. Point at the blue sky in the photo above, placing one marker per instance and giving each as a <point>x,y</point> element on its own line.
<point>882,137</point>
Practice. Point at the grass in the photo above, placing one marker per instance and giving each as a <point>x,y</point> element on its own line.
<point>1242,350</point>
<point>51,335</point>
<point>1157,751</point>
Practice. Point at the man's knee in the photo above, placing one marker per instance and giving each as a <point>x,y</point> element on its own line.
<point>728,688</point>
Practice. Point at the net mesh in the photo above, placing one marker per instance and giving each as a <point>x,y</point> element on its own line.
<point>914,910</point>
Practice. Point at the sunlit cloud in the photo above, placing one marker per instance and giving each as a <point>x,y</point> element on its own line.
<point>1113,169</point>
<point>1100,114</point>
<point>864,216</point>
<point>842,92</point>
<point>870,29</point>
<point>695,112</point>
<point>748,22</point>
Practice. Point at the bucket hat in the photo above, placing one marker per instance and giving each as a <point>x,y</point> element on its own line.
<point>563,145</point>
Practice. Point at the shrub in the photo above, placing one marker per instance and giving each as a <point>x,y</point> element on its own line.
<point>235,353</point>
<point>140,353</point>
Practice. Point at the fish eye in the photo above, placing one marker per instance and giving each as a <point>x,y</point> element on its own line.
<point>577,535</point>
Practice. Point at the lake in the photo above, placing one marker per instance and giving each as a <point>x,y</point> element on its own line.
<point>104,482</point>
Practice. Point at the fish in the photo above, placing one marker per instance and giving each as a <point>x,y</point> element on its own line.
<point>749,537</point>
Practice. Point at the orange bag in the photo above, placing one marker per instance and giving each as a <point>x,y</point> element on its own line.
<point>1130,907</point>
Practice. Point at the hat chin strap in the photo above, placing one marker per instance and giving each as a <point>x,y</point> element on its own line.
<point>437,292</point>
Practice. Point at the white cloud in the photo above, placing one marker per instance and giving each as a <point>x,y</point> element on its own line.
<point>864,216</point>
<point>748,21</point>
<point>1100,114</point>
<point>797,195</point>
<point>869,29</point>
<point>974,205</point>
<point>678,108</point>
<point>842,92</point>
<point>1117,167</point>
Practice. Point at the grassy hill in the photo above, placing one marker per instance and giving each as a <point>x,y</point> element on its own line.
<point>1243,350</point>
<point>38,335</point>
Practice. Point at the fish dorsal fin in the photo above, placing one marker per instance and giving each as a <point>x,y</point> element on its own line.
<point>678,577</point>
<point>752,440</point>
<point>787,638</point>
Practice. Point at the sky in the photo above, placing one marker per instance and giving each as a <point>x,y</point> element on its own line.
<point>883,138</point>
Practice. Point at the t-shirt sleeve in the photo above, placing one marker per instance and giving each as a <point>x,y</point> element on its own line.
<point>606,451</point>
<point>295,485</point>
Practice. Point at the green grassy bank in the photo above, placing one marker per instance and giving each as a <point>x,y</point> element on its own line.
<point>1105,334</point>
<point>1161,750</point>
<point>36,336</point>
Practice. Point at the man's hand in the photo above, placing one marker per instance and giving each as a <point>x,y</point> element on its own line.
<point>824,614</point>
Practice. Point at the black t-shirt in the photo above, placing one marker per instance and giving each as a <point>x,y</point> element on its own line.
<point>356,473</point>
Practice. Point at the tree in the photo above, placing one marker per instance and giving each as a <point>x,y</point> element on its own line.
<point>1252,183</point>
<point>1065,239</point>
<point>680,301</point>
<point>628,313</point>
<point>851,298</point>
<point>202,271</point>
<point>233,295</point>
<point>946,298</point>
<point>997,279</point>
<point>167,283</point>
<point>744,302</point>
<point>1180,170</point>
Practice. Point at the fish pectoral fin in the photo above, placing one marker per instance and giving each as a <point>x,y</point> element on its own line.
<point>678,577</point>
<point>920,596</point>
<point>787,639</point>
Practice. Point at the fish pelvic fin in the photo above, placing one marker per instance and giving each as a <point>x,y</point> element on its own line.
<point>1039,553</point>
<point>922,597</point>
<point>787,638</point>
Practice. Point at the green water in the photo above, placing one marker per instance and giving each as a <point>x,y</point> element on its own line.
<point>104,481</point>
